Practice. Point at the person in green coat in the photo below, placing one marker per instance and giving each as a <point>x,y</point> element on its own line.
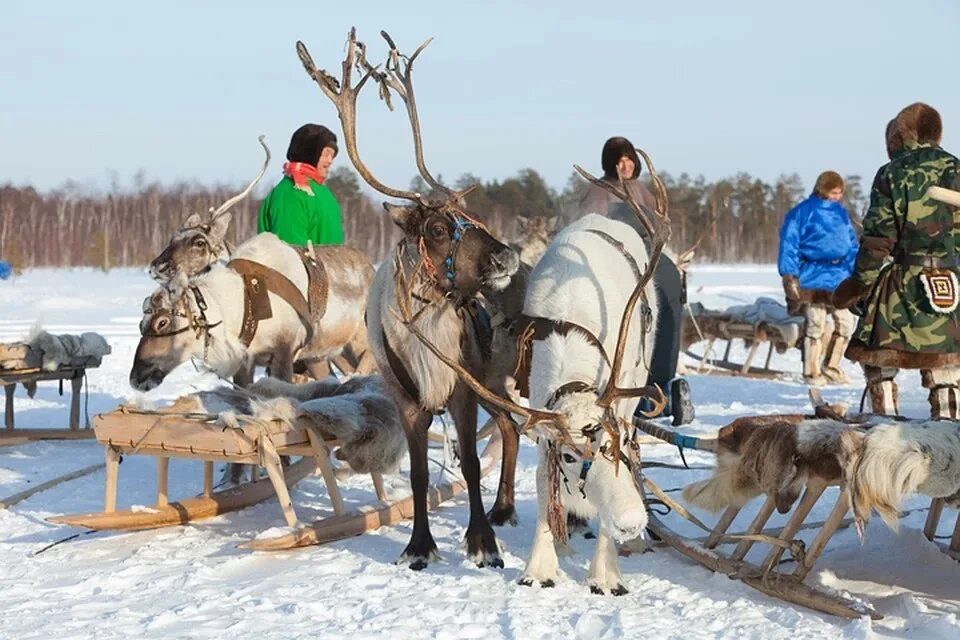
<point>904,283</point>
<point>301,207</point>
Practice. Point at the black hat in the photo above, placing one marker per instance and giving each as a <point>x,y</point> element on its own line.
<point>309,141</point>
<point>614,149</point>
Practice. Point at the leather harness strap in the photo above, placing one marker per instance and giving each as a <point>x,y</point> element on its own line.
<point>258,281</point>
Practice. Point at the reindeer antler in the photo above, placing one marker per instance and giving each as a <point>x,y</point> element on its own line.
<point>657,225</point>
<point>399,77</point>
<point>222,209</point>
<point>344,97</point>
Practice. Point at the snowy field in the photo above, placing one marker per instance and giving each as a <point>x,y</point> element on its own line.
<point>192,582</point>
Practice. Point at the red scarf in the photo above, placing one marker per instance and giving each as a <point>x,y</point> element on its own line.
<point>300,172</point>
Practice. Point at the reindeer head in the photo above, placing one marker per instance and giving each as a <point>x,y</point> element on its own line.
<point>533,237</point>
<point>174,328</point>
<point>200,241</point>
<point>453,250</point>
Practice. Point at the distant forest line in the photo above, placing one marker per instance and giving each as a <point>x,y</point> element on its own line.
<point>738,218</point>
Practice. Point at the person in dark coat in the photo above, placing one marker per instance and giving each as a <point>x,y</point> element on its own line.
<point>619,159</point>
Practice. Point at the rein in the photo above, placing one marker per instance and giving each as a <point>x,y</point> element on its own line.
<point>197,323</point>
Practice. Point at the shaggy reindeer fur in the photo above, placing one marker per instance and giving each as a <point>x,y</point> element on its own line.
<point>903,457</point>
<point>50,352</point>
<point>774,455</point>
<point>358,413</point>
<point>583,279</point>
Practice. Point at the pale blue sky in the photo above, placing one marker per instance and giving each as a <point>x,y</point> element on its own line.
<point>182,89</point>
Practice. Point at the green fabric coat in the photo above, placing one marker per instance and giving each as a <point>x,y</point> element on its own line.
<point>899,327</point>
<point>296,216</point>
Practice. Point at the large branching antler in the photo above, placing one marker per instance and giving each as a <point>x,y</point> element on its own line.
<point>398,76</point>
<point>222,209</point>
<point>657,225</point>
<point>344,97</point>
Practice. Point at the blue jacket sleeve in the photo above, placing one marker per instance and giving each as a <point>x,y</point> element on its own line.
<point>851,258</point>
<point>788,262</point>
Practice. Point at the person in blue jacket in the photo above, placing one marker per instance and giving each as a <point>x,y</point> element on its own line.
<point>818,247</point>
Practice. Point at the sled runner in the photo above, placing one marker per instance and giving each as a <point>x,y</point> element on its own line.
<point>47,358</point>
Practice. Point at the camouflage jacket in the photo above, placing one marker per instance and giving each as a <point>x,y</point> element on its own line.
<point>902,230</point>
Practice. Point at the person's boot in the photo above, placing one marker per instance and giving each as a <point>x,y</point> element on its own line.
<point>680,402</point>
<point>833,359</point>
<point>812,376</point>
<point>884,397</point>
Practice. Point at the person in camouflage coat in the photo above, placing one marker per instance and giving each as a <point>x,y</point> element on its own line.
<point>904,283</point>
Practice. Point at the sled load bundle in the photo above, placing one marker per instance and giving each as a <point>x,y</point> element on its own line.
<point>43,357</point>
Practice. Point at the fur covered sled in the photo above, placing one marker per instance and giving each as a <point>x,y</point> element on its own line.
<point>788,461</point>
<point>42,357</point>
<point>763,323</point>
<point>355,421</point>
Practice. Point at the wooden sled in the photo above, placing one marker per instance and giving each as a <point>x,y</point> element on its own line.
<point>711,326</point>
<point>767,576</point>
<point>952,548</point>
<point>17,367</point>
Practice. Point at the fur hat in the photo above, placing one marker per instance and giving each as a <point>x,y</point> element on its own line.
<point>917,123</point>
<point>614,149</point>
<point>827,182</point>
<point>309,141</point>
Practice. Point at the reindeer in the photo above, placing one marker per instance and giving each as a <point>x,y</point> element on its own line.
<point>211,318</point>
<point>444,258</point>
<point>588,462</point>
<point>533,237</point>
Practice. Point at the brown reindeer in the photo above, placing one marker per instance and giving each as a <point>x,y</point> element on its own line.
<point>533,237</point>
<point>445,258</point>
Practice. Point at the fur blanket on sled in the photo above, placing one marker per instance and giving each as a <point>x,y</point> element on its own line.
<point>358,413</point>
<point>51,352</point>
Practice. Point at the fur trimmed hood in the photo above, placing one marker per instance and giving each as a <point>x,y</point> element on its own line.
<point>918,123</point>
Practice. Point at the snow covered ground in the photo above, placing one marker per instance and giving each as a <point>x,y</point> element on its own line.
<point>192,582</point>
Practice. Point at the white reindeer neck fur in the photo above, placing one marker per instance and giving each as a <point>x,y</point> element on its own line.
<point>440,324</point>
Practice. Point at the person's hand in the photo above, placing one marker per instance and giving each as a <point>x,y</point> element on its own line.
<point>848,293</point>
<point>791,291</point>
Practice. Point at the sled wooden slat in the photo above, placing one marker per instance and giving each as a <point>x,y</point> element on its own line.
<point>190,509</point>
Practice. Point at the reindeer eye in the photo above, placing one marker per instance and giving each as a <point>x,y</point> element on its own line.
<point>568,458</point>
<point>199,243</point>
<point>438,231</point>
<point>162,323</point>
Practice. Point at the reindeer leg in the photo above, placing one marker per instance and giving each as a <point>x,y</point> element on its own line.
<point>482,547</point>
<point>421,549</point>
<point>543,565</point>
<point>503,511</point>
<point>605,574</point>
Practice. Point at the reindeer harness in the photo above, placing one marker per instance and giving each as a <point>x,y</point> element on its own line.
<point>259,281</point>
<point>195,322</point>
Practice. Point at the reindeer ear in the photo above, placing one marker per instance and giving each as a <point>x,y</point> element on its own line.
<point>401,215</point>
<point>193,221</point>
<point>219,226</point>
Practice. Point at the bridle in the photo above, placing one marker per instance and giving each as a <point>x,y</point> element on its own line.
<point>460,223</point>
<point>198,323</point>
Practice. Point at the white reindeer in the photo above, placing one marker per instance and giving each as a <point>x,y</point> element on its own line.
<point>204,319</point>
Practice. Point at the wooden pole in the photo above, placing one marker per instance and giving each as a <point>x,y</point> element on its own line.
<point>207,478</point>
<point>722,525</point>
<point>280,486</point>
<point>113,469</point>
<point>378,486</point>
<point>76,386</point>
<point>755,527</point>
<point>163,474</point>
<point>933,518</point>
<point>815,487</point>
<point>955,539</point>
<point>8,412</point>
<point>826,532</point>
<point>322,454</point>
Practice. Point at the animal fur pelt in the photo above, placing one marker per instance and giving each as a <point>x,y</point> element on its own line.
<point>50,352</point>
<point>774,455</point>
<point>903,457</point>
<point>358,413</point>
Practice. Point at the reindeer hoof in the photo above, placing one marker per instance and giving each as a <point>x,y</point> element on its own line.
<point>619,590</point>
<point>495,563</point>
<point>544,584</point>
<point>500,516</point>
<point>419,564</point>
<point>596,590</point>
